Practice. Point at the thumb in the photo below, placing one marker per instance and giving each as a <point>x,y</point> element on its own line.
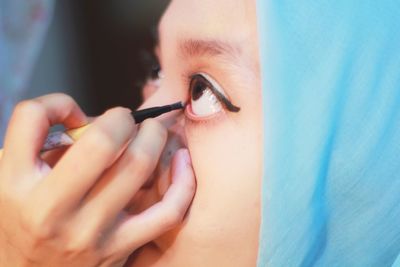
<point>139,229</point>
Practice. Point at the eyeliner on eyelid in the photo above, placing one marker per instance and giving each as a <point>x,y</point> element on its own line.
<point>220,96</point>
<point>157,74</point>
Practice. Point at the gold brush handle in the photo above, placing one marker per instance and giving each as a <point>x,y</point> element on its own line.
<point>59,139</point>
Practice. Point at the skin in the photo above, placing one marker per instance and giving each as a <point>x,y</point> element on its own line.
<point>222,226</point>
<point>122,188</point>
<point>66,208</point>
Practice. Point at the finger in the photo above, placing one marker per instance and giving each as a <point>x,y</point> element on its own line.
<point>140,229</point>
<point>51,157</point>
<point>119,183</point>
<point>155,187</point>
<point>30,122</point>
<point>72,116</point>
<point>85,161</point>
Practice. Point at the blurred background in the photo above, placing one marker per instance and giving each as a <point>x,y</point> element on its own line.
<point>99,52</point>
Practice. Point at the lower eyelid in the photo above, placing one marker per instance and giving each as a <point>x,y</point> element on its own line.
<point>194,118</point>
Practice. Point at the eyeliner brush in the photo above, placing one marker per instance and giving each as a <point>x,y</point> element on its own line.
<point>58,139</point>
<point>153,112</point>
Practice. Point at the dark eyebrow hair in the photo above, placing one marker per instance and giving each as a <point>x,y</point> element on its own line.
<point>195,47</point>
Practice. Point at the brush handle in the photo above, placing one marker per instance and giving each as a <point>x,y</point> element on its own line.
<point>59,139</point>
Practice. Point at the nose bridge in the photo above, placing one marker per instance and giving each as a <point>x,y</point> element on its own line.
<point>162,94</point>
<point>164,97</point>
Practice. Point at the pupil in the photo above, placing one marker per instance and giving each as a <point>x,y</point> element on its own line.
<point>197,90</point>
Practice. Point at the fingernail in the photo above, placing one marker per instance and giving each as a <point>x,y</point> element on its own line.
<point>182,162</point>
<point>185,156</point>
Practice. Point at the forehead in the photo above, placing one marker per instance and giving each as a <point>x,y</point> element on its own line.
<point>214,19</point>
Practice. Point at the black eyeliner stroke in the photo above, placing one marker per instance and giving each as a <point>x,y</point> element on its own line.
<point>228,104</point>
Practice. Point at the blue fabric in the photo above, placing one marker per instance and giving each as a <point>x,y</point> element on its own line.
<point>331,83</point>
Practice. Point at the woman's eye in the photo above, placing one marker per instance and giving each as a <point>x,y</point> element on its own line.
<point>155,72</point>
<point>204,99</point>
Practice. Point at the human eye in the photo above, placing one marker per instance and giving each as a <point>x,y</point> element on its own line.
<point>155,72</point>
<point>154,76</point>
<point>206,98</point>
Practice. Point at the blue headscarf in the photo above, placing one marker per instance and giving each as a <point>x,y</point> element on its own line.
<point>331,83</point>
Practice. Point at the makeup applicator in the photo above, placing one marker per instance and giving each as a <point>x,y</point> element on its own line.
<point>58,139</point>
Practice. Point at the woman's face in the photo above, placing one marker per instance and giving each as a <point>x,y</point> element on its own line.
<point>208,52</point>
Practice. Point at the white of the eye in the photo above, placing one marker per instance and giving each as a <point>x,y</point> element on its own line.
<point>206,105</point>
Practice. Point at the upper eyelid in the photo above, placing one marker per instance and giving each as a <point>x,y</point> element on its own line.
<point>211,81</point>
<point>219,93</point>
<point>216,88</point>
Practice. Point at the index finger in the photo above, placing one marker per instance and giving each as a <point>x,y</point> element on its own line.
<point>30,123</point>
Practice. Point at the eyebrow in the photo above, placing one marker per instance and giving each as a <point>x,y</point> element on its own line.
<point>211,48</point>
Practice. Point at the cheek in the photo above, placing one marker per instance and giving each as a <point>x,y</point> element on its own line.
<point>224,216</point>
<point>227,160</point>
<point>228,172</point>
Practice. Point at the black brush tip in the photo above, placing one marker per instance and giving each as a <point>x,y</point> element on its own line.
<point>177,105</point>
